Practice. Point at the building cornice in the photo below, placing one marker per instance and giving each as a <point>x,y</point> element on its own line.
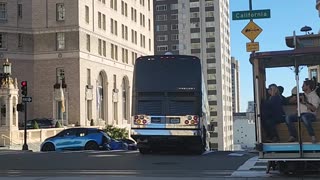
<point>39,30</point>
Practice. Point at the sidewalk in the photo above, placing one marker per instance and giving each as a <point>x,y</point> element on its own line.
<point>34,147</point>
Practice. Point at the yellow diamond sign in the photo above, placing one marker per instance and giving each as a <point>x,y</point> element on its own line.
<point>252,30</point>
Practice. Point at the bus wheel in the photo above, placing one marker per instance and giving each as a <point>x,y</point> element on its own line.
<point>144,150</point>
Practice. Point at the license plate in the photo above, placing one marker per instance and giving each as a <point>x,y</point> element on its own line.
<point>155,120</point>
<point>174,120</point>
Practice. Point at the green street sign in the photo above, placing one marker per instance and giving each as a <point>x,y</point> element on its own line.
<point>255,14</point>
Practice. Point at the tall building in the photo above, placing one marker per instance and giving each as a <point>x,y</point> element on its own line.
<point>201,28</point>
<point>250,107</point>
<point>235,78</point>
<point>76,56</point>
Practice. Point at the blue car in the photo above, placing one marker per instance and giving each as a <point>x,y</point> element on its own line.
<point>118,145</point>
<point>77,139</point>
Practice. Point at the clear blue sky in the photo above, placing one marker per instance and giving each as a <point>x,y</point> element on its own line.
<point>286,16</point>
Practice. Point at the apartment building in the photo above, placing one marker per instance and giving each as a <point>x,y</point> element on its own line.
<point>235,78</point>
<point>201,28</point>
<point>84,50</point>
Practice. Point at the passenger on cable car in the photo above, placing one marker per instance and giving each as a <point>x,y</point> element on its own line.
<point>309,103</point>
<point>272,114</point>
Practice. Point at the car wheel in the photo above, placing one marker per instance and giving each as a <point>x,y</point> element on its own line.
<point>91,146</point>
<point>48,147</point>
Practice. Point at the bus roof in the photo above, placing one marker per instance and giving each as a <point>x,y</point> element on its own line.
<point>302,56</point>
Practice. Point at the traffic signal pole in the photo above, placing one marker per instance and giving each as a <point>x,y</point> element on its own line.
<point>24,92</point>
<point>25,145</point>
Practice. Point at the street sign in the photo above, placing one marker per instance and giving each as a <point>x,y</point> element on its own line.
<point>252,46</point>
<point>26,99</point>
<point>251,31</point>
<point>255,14</point>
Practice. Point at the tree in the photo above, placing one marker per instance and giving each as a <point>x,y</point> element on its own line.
<point>35,125</point>
<point>58,125</point>
<point>116,133</point>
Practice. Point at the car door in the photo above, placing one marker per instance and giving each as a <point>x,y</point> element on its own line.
<point>66,139</point>
<point>81,138</point>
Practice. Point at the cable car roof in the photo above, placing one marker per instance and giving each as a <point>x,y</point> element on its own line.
<point>302,56</point>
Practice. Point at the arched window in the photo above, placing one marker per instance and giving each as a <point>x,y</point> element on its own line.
<point>99,97</point>
<point>125,99</point>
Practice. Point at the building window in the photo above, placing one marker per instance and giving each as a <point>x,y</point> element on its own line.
<point>61,11</point>
<point>88,76</point>
<point>114,27</point>
<point>161,28</point>
<point>162,17</point>
<point>174,16</point>
<point>100,97</point>
<point>99,47</point>
<point>113,4</point>
<point>115,103</point>
<point>87,14</point>
<point>174,27</point>
<point>194,4</point>
<point>174,37</point>
<point>209,4</point>
<point>162,48</point>
<point>3,40</point>
<point>174,6</point>
<point>133,57</point>
<point>20,11</point>
<point>194,15</point>
<point>175,47</point>
<point>114,52</point>
<point>104,48</point>
<point>125,102</point>
<point>3,11</point>
<point>60,41</point>
<point>162,38</point>
<point>209,13</point>
<point>88,42</point>
<point>99,20</point>
<point>162,7</point>
<point>194,25</point>
<point>104,22</point>
<point>20,40</point>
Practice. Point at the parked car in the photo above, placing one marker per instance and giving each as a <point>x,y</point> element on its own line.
<point>132,145</point>
<point>77,139</point>
<point>118,145</point>
<point>42,123</point>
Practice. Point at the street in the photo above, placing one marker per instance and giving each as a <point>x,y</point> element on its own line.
<point>130,165</point>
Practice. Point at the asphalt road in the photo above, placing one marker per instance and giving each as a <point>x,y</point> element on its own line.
<point>119,165</point>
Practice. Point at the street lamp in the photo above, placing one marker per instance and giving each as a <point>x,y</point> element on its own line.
<point>7,68</point>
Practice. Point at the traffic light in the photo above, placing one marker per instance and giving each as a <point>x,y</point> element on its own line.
<point>24,88</point>
<point>20,107</point>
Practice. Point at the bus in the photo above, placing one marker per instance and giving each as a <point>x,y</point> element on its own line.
<point>169,104</point>
<point>286,157</point>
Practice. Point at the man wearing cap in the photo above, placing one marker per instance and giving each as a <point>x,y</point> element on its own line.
<point>309,102</point>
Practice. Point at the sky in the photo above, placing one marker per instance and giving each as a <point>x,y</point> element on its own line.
<point>287,16</point>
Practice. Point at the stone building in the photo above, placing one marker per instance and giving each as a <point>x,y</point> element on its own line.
<point>84,50</point>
